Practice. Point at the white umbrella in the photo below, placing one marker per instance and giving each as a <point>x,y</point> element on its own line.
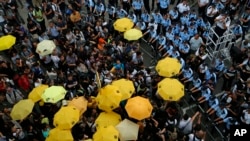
<point>128,130</point>
<point>45,47</point>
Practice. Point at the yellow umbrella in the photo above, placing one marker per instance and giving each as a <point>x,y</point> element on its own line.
<point>170,89</point>
<point>66,117</point>
<point>138,108</point>
<point>106,119</point>
<point>123,24</point>
<point>125,86</point>
<point>53,94</point>
<point>6,42</point>
<point>107,133</point>
<point>22,109</point>
<point>168,67</point>
<point>108,98</point>
<point>59,135</point>
<point>132,34</point>
<point>36,94</point>
<point>45,47</point>
<point>80,103</point>
<point>128,130</point>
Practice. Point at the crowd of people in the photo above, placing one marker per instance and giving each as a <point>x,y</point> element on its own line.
<point>88,45</point>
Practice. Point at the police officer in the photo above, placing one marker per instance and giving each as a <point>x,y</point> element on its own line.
<point>163,6</point>
<point>121,13</point>
<point>145,17</point>
<point>137,7</point>
<point>111,12</point>
<point>99,9</point>
<point>245,20</point>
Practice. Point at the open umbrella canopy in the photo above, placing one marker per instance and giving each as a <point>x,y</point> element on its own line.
<point>138,108</point>
<point>125,86</point>
<point>80,103</point>
<point>53,94</point>
<point>168,67</point>
<point>107,118</point>
<point>45,47</point>
<point>132,34</point>
<point>59,135</point>
<point>128,130</point>
<point>22,109</point>
<point>123,24</point>
<point>6,42</point>
<point>36,94</point>
<point>108,98</point>
<point>66,117</point>
<point>170,89</point>
<point>107,133</point>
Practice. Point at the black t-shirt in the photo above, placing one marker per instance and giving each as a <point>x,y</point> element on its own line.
<point>31,26</point>
<point>48,8</point>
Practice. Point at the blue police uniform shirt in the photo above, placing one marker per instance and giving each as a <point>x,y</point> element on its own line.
<point>174,13</point>
<point>219,65</point>
<point>166,22</point>
<point>90,3</point>
<point>200,22</point>
<point>187,73</point>
<point>145,17</point>
<point>177,41</point>
<point>137,4</point>
<point>184,47</point>
<point>205,34</point>
<point>219,6</point>
<point>192,31</point>
<point>222,113</point>
<point>184,20</point>
<point>121,13</point>
<point>111,10</point>
<point>237,29</point>
<point>206,93</point>
<point>176,29</point>
<point>182,62</point>
<point>192,16</point>
<point>197,82</point>
<point>100,7</point>
<point>184,36</point>
<point>168,48</point>
<point>175,54</point>
<point>141,25</point>
<point>164,3</point>
<point>170,35</point>
<point>157,17</point>
<point>208,74</point>
<point>161,40</point>
<point>152,33</point>
<point>213,102</point>
<point>133,18</point>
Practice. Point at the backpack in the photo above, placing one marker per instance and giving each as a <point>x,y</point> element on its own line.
<point>172,135</point>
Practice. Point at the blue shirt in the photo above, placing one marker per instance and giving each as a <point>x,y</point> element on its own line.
<point>206,93</point>
<point>177,41</point>
<point>132,17</point>
<point>161,40</point>
<point>111,10</point>
<point>176,29</point>
<point>166,22</point>
<point>197,82</point>
<point>168,48</point>
<point>184,47</point>
<point>174,54</point>
<point>152,33</point>
<point>164,3</point>
<point>100,7</point>
<point>170,36</point>
<point>219,6</point>
<point>184,36</point>
<point>237,29</point>
<point>141,25</point>
<point>157,17</point>
<point>184,20</point>
<point>145,17</point>
<point>192,31</point>
<point>219,65</point>
<point>187,73</point>
<point>174,13</point>
<point>90,3</point>
<point>137,4</point>
<point>121,13</point>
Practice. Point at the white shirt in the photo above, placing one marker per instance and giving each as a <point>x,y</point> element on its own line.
<point>155,25</point>
<point>185,125</point>
<point>223,21</point>
<point>203,2</point>
<point>183,8</point>
<point>195,43</point>
<point>55,60</point>
<point>246,116</point>
<point>211,12</point>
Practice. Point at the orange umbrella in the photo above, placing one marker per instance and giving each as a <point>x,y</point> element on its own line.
<point>138,108</point>
<point>80,103</point>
